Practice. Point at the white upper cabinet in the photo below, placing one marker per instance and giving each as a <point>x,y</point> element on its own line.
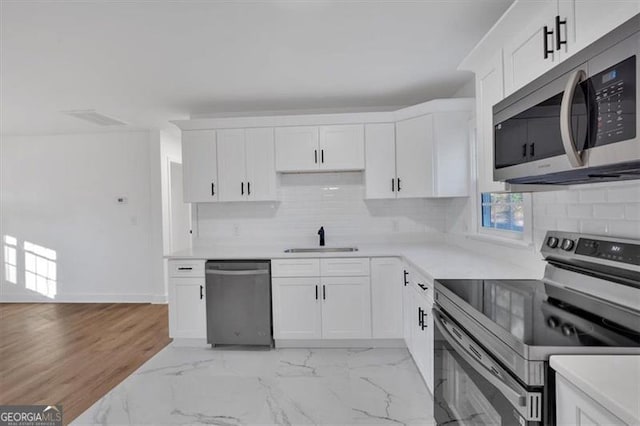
<point>324,148</point>
<point>199,159</point>
<point>342,147</point>
<point>260,161</point>
<point>380,157</point>
<point>432,155</point>
<point>246,165</point>
<point>489,91</point>
<point>531,52</point>
<point>297,149</point>
<point>587,21</point>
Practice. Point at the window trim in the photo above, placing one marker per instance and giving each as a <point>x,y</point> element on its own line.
<point>504,234</point>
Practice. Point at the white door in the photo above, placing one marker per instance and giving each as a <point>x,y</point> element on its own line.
<point>587,21</point>
<point>342,147</point>
<point>386,298</point>
<point>524,53</point>
<point>346,308</point>
<point>414,157</point>
<point>297,149</point>
<point>380,159</point>
<point>179,211</point>
<point>296,308</point>
<point>489,91</point>
<point>261,172</point>
<point>199,159</point>
<point>189,318</point>
<point>231,165</point>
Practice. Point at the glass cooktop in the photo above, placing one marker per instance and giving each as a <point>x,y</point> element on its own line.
<point>540,314</point>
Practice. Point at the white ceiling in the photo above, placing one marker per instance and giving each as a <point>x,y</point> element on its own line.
<point>148,62</point>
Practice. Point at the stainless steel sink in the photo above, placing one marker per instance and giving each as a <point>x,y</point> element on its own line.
<point>322,250</point>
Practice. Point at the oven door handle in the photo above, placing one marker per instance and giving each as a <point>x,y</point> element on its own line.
<point>566,132</point>
<point>528,404</point>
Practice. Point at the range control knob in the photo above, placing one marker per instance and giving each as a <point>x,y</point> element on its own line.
<point>553,322</point>
<point>567,244</point>
<point>552,242</point>
<point>567,329</point>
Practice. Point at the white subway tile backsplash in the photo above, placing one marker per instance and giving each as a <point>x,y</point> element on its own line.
<point>627,192</point>
<point>608,211</point>
<point>580,211</point>
<point>632,212</point>
<point>592,195</point>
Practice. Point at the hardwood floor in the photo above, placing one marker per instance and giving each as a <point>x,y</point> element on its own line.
<point>74,353</point>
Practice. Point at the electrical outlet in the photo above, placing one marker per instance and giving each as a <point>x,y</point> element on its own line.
<point>122,200</point>
<point>236,230</point>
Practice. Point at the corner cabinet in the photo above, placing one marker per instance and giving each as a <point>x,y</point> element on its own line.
<point>246,165</point>
<point>200,165</point>
<point>432,156</point>
<point>323,148</point>
<point>574,407</point>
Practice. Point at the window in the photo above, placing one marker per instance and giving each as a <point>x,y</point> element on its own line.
<point>503,211</point>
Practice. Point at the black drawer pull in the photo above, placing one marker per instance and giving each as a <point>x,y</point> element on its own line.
<point>316,292</point>
<point>546,33</point>
<point>201,292</point>
<point>324,293</point>
<point>559,41</point>
<point>399,185</point>
<point>213,189</point>
<point>393,185</point>
<point>524,149</point>
<point>241,188</point>
<point>315,156</point>
<point>423,287</point>
<point>248,188</point>
<point>185,268</point>
<point>405,278</point>
<point>322,156</point>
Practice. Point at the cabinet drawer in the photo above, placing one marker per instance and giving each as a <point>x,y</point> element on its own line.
<point>295,268</point>
<point>186,268</point>
<point>344,267</point>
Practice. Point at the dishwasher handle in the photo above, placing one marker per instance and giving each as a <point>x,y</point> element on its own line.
<point>238,272</point>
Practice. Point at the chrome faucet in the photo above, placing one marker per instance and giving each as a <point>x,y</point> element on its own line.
<point>321,233</point>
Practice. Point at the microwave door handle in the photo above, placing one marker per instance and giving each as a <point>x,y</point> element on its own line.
<point>566,132</point>
<point>520,400</point>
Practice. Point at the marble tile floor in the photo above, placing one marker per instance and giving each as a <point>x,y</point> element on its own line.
<point>229,387</point>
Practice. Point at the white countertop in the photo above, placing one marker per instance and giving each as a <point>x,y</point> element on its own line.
<point>611,380</point>
<point>436,260</point>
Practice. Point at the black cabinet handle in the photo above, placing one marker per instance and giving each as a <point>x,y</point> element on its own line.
<point>424,324</point>
<point>524,150</point>
<point>248,188</point>
<point>316,292</point>
<point>213,189</point>
<point>532,149</point>
<point>185,268</point>
<point>201,292</point>
<point>322,156</point>
<point>559,41</point>
<point>324,292</point>
<point>399,185</point>
<point>423,287</point>
<point>241,188</point>
<point>393,185</point>
<point>315,156</point>
<point>405,278</point>
<point>420,316</point>
<point>546,33</point>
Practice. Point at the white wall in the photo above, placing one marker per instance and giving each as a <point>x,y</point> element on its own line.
<point>60,191</point>
<point>602,209</point>
<point>308,201</point>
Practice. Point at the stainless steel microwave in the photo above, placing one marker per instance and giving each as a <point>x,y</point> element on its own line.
<point>578,123</point>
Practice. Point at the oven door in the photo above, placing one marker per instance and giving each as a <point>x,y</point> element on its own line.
<point>470,388</point>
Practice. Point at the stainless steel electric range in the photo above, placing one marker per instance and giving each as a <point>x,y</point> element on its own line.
<point>493,338</point>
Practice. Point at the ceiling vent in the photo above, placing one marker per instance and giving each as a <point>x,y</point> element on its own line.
<point>94,117</point>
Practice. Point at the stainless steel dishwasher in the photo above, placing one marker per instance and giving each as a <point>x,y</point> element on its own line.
<point>239,302</point>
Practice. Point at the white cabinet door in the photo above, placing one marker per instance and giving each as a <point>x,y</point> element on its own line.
<point>407,312</point>
<point>296,308</point>
<point>188,317</point>
<point>428,322</point>
<point>260,161</point>
<point>576,408</point>
<point>342,147</point>
<point>344,267</point>
<point>346,308</point>
<point>451,154</point>
<point>297,149</point>
<point>414,157</point>
<point>380,160</point>
<point>421,347</point>
<point>199,160</point>
<point>386,298</point>
<point>587,21</point>
<point>489,91</point>
<point>524,53</point>
<point>231,165</point>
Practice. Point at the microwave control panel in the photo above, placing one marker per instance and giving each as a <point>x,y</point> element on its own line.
<point>615,96</point>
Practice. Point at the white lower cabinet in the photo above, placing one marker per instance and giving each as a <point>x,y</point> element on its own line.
<point>187,307</point>
<point>296,308</point>
<point>321,307</point>
<point>386,298</point>
<point>576,408</point>
<point>346,308</point>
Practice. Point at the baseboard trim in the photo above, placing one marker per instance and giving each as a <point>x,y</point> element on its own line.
<point>81,298</point>
<point>339,343</point>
